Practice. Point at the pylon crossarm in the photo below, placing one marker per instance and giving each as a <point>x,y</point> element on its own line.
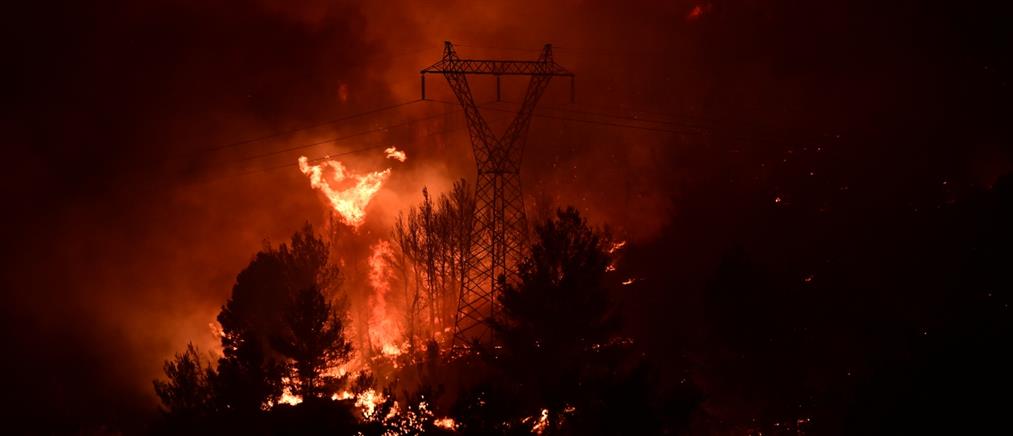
<point>515,136</point>
<point>497,68</point>
<point>451,64</point>
<point>479,131</point>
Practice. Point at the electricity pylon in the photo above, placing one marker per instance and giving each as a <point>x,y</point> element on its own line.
<point>499,238</point>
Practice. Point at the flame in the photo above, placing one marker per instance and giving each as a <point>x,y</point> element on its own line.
<point>344,395</point>
<point>445,423</point>
<point>616,246</point>
<point>393,153</point>
<point>287,397</point>
<point>350,203</point>
<point>543,422</point>
<point>368,400</point>
<point>383,330</point>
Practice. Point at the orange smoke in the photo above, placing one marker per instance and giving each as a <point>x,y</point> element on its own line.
<point>351,201</point>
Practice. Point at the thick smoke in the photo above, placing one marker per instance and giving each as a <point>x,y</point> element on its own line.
<point>132,203</point>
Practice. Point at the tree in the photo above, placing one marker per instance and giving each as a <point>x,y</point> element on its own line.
<point>561,364</point>
<point>248,374</point>
<point>313,341</point>
<point>433,242</point>
<point>251,370</point>
<point>558,330</point>
<point>187,394</point>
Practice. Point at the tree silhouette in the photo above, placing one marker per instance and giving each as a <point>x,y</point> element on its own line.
<point>561,364</point>
<point>251,370</point>
<point>314,342</point>
<point>187,394</point>
<point>433,240</point>
<point>558,329</point>
<point>249,373</point>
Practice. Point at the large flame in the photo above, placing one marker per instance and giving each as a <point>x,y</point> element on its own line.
<point>383,329</point>
<point>349,203</point>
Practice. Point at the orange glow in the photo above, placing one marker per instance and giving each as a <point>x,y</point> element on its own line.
<point>287,397</point>
<point>393,153</point>
<point>367,401</point>
<point>543,422</point>
<point>697,12</point>
<point>349,203</point>
<point>445,423</point>
<point>383,330</point>
<point>344,394</point>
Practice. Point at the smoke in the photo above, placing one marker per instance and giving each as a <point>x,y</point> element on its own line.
<point>134,202</point>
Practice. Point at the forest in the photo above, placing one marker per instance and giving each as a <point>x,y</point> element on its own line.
<point>563,362</point>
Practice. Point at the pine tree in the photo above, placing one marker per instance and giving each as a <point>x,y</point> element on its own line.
<point>557,327</point>
<point>313,342</point>
<point>187,394</point>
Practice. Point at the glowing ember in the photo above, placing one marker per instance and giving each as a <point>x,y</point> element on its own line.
<point>616,246</point>
<point>344,395</point>
<point>629,281</point>
<point>350,203</point>
<point>446,423</point>
<point>542,423</point>
<point>288,398</point>
<point>368,401</point>
<point>394,153</point>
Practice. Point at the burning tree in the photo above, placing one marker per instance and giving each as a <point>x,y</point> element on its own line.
<point>314,342</point>
<point>278,319</point>
<point>433,241</point>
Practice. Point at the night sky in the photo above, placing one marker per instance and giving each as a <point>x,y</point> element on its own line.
<point>814,193</point>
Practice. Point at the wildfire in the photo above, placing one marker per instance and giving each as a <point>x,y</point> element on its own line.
<point>344,395</point>
<point>616,246</point>
<point>446,423</point>
<point>542,423</point>
<point>351,201</point>
<point>383,330</point>
<point>393,153</point>
<point>368,401</point>
<point>287,397</point>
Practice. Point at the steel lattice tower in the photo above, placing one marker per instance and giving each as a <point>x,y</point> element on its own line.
<point>499,237</point>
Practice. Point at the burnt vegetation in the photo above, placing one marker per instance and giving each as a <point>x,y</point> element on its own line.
<point>566,360</point>
<point>561,363</point>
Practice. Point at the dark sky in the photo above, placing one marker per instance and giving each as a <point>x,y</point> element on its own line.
<point>800,135</point>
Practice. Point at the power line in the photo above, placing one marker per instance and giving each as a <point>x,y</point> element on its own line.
<point>712,128</point>
<point>341,138</point>
<point>335,155</point>
<point>621,117</point>
<point>313,126</point>
<point>580,120</point>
